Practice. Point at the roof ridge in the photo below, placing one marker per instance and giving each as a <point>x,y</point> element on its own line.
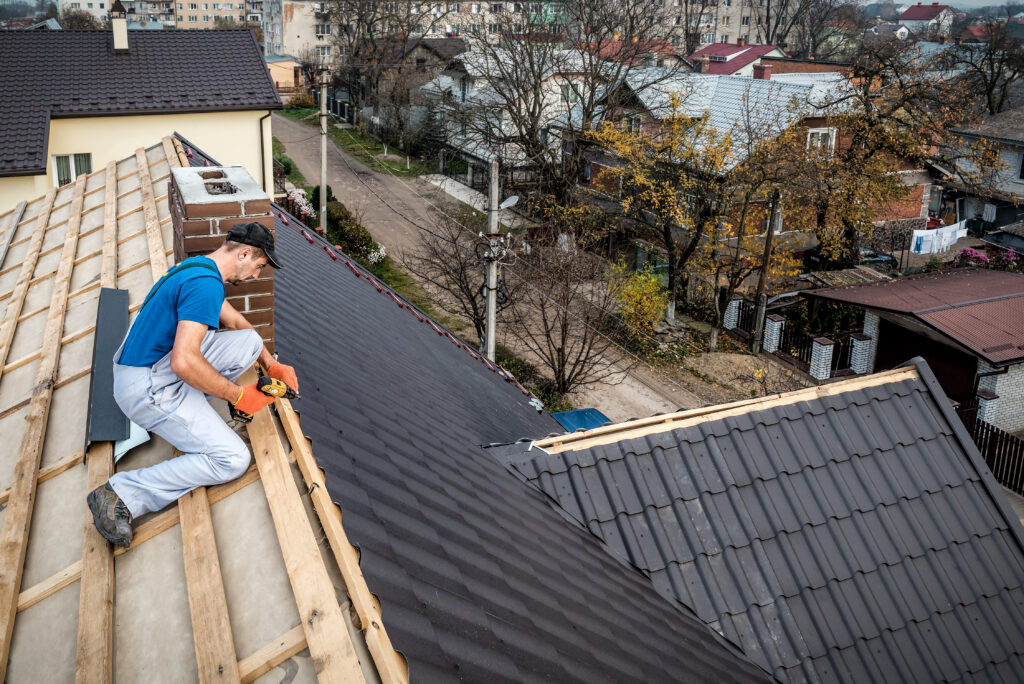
<point>672,421</point>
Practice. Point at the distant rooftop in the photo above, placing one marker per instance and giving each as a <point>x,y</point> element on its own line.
<point>162,72</point>
<point>728,58</point>
<point>921,12</point>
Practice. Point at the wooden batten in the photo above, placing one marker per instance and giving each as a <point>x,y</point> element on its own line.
<point>18,517</point>
<point>322,619</point>
<point>391,666</point>
<point>154,238</point>
<point>211,629</point>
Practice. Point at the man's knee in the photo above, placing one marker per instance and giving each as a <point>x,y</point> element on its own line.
<point>255,345</point>
<point>232,463</point>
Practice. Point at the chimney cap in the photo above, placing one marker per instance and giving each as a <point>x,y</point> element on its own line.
<point>117,9</point>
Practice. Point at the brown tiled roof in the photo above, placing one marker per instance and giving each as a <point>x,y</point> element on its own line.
<point>982,310</point>
<point>63,74</point>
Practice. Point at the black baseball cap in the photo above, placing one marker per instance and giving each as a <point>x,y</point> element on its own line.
<point>255,235</point>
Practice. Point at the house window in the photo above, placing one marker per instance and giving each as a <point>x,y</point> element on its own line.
<point>497,8</point>
<point>216,5</point>
<point>180,18</point>
<point>494,28</point>
<point>725,20</point>
<point>821,139</point>
<point>193,18</point>
<point>570,95</point>
<point>68,167</point>
<point>421,64</point>
<point>453,7</point>
<point>322,30</point>
<point>89,5</point>
<point>323,50</point>
<point>635,123</point>
<point>463,88</point>
<point>517,8</point>
<point>745,21</point>
<point>193,6</point>
<point>707,38</point>
<point>206,17</point>
<point>725,39</point>
<point>477,8</point>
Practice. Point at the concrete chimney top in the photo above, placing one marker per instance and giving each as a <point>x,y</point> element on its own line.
<point>212,190</point>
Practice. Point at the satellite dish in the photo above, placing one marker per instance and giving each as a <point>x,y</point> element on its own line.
<point>510,202</point>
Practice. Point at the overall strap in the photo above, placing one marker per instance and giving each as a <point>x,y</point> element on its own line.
<point>178,268</point>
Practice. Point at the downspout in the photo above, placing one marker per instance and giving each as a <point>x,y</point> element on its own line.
<point>978,376</point>
<point>263,156</point>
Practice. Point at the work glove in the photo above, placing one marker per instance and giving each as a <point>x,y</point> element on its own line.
<point>249,402</point>
<point>285,374</point>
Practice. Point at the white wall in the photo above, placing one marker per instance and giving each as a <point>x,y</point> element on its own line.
<point>1010,389</point>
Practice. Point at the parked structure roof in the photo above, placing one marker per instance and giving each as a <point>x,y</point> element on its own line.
<point>982,310</point>
<point>159,74</point>
<point>847,533</point>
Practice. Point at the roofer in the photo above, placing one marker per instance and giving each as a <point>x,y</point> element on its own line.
<point>172,361</point>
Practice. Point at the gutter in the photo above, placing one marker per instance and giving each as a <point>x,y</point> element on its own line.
<point>263,154</point>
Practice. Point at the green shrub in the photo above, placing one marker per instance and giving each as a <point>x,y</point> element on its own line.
<point>286,162</point>
<point>345,231</point>
<point>314,198</point>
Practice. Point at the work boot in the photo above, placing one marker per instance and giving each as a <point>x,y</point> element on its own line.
<point>110,515</point>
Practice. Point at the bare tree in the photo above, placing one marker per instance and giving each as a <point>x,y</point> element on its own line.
<point>562,312</point>
<point>449,262</point>
<point>991,68</point>
<point>72,19</point>
<point>774,20</point>
<point>540,72</point>
<point>812,33</point>
<point>373,39</point>
<point>687,21</point>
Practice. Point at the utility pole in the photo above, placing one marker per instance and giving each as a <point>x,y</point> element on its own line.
<point>761,301</point>
<point>493,254</point>
<point>324,75</point>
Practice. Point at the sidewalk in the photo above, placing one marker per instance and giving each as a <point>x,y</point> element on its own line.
<point>475,199</point>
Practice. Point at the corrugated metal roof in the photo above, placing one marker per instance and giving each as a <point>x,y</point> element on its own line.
<point>54,74</point>
<point>982,310</point>
<point>480,578</point>
<point>849,538</point>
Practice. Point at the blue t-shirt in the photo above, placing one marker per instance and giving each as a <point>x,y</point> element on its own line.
<point>193,294</point>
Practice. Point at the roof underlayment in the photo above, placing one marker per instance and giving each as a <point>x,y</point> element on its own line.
<point>236,580</point>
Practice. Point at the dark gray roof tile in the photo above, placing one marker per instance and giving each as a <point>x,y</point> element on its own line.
<point>61,74</point>
<point>855,538</point>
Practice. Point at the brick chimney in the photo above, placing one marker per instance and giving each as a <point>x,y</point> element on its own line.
<point>704,65</point>
<point>741,42</point>
<point>205,203</point>
<point>763,72</point>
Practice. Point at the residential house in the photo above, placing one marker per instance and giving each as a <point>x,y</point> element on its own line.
<point>446,565</point>
<point>1000,205</point>
<point>889,31</point>
<point>304,30</point>
<point>652,53</point>
<point>99,9</point>
<point>285,72</point>
<point>109,96</point>
<point>394,100</point>
<point>850,533</point>
<point>473,111</point>
<point>968,325</point>
<point>726,59</point>
<point>928,21</point>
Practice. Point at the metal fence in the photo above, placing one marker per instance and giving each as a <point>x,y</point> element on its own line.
<point>745,318</point>
<point>1003,453</point>
<point>796,347</point>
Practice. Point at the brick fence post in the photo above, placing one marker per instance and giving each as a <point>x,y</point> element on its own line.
<point>987,404</point>
<point>871,330</point>
<point>861,353</point>
<point>773,326</point>
<point>732,314</point>
<point>821,358</point>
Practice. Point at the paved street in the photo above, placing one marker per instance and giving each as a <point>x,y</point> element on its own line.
<point>377,198</point>
<point>354,185</point>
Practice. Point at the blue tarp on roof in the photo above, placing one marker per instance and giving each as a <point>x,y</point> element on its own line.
<point>581,418</point>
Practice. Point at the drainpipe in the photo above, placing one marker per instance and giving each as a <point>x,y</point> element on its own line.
<point>263,159</point>
<point>978,376</point>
